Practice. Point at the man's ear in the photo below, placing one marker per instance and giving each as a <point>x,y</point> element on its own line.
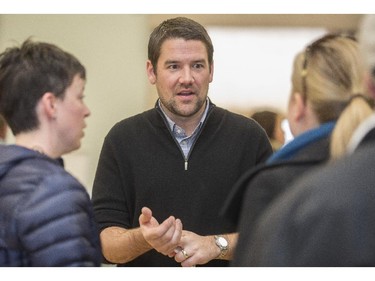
<point>212,72</point>
<point>297,107</point>
<point>150,72</point>
<point>48,104</point>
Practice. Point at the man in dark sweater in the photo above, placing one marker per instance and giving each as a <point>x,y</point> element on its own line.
<point>163,175</point>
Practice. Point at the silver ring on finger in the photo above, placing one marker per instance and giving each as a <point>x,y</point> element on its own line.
<point>184,253</point>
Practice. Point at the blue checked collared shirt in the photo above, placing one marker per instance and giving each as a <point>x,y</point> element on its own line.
<point>183,140</point>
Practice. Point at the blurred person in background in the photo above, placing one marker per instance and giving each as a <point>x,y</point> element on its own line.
<point>271,122</point>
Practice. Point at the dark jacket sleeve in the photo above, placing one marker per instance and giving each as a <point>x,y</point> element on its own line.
<point>56,225</point>
<point>325,219</point>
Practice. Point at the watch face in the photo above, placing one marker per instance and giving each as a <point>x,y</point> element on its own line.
<point>223,242</point>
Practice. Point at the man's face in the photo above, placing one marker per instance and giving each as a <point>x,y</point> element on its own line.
<point>182,78</point>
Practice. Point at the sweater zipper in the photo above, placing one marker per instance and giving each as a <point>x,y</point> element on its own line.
<point>186,159</point>
<point>192,146</point>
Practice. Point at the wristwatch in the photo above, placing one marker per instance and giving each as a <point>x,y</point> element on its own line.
<point>223,245</point>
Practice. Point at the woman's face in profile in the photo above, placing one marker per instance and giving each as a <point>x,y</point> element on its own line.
<point>71,114</point>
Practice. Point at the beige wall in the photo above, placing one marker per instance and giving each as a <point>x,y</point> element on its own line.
<point>114,49</point>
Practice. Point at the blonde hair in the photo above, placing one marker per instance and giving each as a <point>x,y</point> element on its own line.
<point>328,74</point>
<point>354,114</point>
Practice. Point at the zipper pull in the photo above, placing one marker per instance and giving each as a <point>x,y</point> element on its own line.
<point>186,165</point>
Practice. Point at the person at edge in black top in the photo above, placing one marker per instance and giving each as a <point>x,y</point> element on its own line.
<point>326,217</point>
<point>326,77</point>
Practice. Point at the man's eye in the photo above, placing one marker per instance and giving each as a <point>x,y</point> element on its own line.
<point>198,65</point>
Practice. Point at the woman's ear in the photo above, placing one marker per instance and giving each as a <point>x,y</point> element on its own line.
<point>48,105</point>
<point>150,72</point>
<point>297,107</point>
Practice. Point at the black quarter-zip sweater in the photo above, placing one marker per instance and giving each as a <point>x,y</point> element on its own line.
<point>142,165</point>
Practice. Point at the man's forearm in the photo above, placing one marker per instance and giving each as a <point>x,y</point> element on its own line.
<point>120,245</point>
